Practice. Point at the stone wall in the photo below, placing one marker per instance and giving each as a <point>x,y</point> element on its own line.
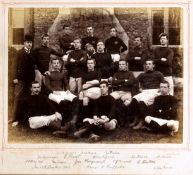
<point>43,19</point>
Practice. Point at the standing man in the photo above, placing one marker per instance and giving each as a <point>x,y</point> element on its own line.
<point>114,45</point>
<point>42,58</point>
<point>163,57</point>
<point>136,57</point>
<point>66,40</point>
<point>25,72</point>
<point>90,38</point>
<point>77,65</point>
<point>103,62</point>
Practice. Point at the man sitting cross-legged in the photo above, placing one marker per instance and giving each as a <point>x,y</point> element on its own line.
<point>103,118</point>
<point>37,110</point>
<point>164,116</point>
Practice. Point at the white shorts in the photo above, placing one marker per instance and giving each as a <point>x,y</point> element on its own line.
<point>147,96</point>
<point>161,122</point>
<point>62,95</point>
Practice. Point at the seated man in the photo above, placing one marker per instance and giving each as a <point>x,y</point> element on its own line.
<point>123,81</point>
<point>57,84</point>
<point>37,110</point>
<point>91,81</point>
<point>149,86</point>
<point>103,118</point>
<point>164,116</point>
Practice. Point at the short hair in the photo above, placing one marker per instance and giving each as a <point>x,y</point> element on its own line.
<point>77,38</point>
<point>93,59</point>
<point>165,82</point>
<point>138,36</point>
<point>34,82</point>
<point>123,60</point>
<point>113,28</point>
<point>45,35</point>
<point>55,58</point>
<point>90,26</point>
<point>100,41</point>
<point>149,59</point>
<point>163,34</point>
<point>104,82</point>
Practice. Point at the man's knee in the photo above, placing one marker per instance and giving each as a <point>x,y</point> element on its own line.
<point>148,119</point>
<point>111,125</point>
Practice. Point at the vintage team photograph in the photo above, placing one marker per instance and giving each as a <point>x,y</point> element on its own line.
<point>95,75</point>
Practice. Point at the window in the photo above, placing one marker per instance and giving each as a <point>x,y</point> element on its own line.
<point>166,20</point>
<point>16,25</point>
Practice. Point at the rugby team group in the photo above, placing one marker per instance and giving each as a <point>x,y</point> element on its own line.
<point>87,89</point>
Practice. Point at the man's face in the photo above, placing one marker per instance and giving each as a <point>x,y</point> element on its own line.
<point>100,47</point>
<point>104,89</point>
<point>56,64</point>
<point>77,44</point>
<point>164,41</point>
<point>113,32</point>
<point>45,41</point>
<point>164,89</point>
<point>90,64</point>
<point>149,66</point>
<point>35,89</point>
<point>137,41</point>
<point>122,66</point>
<point>28,44</point>
<point>90,31</point>
<point>67,30</point>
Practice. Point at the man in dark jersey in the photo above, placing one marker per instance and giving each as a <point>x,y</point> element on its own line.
<point>42,58</point>
<point>136,57</point>
<point>164,116</point>
<point>104,62</point>
<point>104,116</point>
<point>163,58</point>
<point>114,45</point>
<point>36,110</point>
<point>90,38</point>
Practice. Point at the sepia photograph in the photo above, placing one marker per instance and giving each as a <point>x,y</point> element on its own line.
<point>95,75</point>
<point>96,87</point>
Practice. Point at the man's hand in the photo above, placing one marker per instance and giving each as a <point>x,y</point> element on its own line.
<point>14,124</point>
<point>15,81</point>
<point>47,73</point>
<point>72,60</point>
<point>163,59</point>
